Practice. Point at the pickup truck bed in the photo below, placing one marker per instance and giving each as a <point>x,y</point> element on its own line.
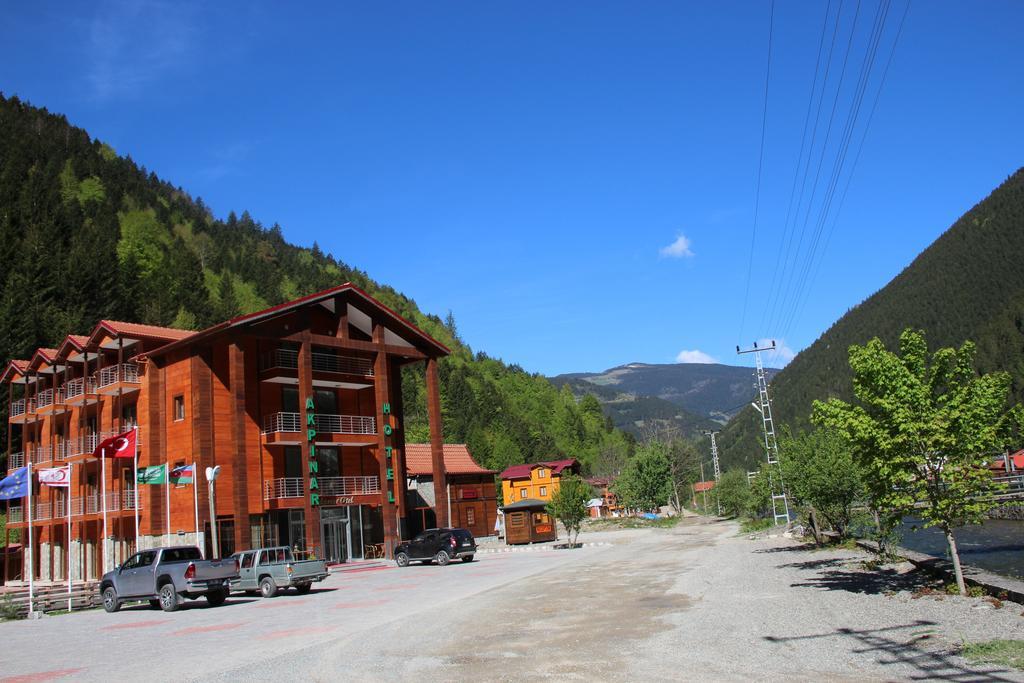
<point>269,570</point>
<point>166,577</point>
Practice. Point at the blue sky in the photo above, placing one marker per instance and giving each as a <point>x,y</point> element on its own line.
<point>574,181</point>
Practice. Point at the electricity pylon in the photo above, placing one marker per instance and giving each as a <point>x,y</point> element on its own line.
<point>714,460</point>
<point>780,505</point>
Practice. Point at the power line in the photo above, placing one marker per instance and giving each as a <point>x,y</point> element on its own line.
<point>760,163</point>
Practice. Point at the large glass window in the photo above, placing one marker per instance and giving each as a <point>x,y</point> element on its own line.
<point>326,401</point>
<point>329,462</point>
<point>292,461</point>
<point>289,399</point>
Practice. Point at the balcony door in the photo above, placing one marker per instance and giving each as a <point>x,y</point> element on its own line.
<point>326,401</point>
<point>289,399</point>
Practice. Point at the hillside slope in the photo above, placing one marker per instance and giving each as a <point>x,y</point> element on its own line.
<point>86,234</point>
<point>968,284</point>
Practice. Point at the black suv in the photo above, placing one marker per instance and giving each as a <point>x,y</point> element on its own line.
<point>437,545</point>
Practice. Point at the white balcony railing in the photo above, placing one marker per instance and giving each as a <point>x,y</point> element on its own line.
<point>49,397</point>
<point>285,487</point>
<point>18,407</point>
<point>41,454</point>
<point>325,424</point>
<point>294,487</point>
<point>348,486</point>
<point>76,388</point>
<point>288,359</point>
<point>62,450</point>
<point>15,460</point>
<point>16,514</point>
<point>127,373</point>
<point>84,444</point>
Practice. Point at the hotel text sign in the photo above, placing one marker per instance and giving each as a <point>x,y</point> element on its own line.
<point>314,467</point>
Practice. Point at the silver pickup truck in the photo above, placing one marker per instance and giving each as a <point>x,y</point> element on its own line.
<point>166,577</point>
<point>268,570</point>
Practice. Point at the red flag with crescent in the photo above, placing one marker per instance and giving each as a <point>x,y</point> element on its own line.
<point>120,446</point>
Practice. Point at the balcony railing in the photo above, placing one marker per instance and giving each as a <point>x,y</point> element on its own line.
<point>16,514</point>
<point>288,359</point>
<point>127,373</point>
<point>15,460</point>
<point>325,424</point>
<point>18,407</point>
<point>294,487</point>
<point>76,388</point>
<point>41,454</point>
<point>84,444</point>
<point>49,397</point>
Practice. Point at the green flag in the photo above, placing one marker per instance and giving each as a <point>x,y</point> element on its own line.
<point>157,474</point>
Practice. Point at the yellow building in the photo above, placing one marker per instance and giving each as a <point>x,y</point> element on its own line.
<point>537,481</point>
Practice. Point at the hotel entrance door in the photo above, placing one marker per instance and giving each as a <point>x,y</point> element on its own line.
<point>336,534</point>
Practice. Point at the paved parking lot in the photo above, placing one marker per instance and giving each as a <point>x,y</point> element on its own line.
<point>198,642</point>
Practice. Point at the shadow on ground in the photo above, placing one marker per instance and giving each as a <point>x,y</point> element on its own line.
<point>898,645</point>
<point>868,582</point>
<point>801,548</point>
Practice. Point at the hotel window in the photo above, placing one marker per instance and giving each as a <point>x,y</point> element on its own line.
<point>522,493</point>
<point>543,490</point>
<point>542,473</point>
<point>470,517</point>
<point>179,408</point>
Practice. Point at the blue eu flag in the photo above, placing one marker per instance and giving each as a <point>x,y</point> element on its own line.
<point>15,485</point>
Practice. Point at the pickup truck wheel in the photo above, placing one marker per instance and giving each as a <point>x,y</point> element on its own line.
<point>155,604</point>
<point>402,560</point>
<point>268,588</point>
<point>467,558</point>
<point>110,601</point>
<point>303,588</point>
<point>168,597</point>
<point>442,558</point>
<point>217,598</point>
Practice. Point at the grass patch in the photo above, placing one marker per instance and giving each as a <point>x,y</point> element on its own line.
<point>1002,652</point>
<point>751,525</point>
<point>608,523</point>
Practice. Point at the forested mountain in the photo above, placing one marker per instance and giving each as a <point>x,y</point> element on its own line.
<point>969,284</point>
<point>87,234</point>
<point>703,390</point>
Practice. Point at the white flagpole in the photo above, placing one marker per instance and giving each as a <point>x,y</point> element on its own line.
<point>30,556</point>
<point>103,496</point>
<point>135,477</point>
<point>167,498</point>
<point>67,501</point>
<point>195,498</point>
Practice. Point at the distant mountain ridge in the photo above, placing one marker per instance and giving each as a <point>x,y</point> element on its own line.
<point>688,396</point>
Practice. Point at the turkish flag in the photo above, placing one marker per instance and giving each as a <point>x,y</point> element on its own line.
<point>120,446</point>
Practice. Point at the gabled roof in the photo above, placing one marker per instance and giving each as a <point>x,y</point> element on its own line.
<point>457,460</point>
<point>14,367</point>
<point>47,356</point>
<point>298,303</point>
<point>116,328</point>
<point>523,471</point>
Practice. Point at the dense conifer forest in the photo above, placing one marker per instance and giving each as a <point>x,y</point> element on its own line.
<point>87,234</point>
<point>968,284</point>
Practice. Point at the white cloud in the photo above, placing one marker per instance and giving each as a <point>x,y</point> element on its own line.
<point>694,356</point>
<point>678,249</point>
<point>780,356</point>
<point>131,45</point>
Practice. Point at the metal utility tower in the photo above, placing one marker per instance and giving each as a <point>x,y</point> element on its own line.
<point>714,461</point>
<point>780,505</point>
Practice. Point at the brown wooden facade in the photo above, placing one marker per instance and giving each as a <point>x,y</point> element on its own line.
<point>300,406</point>
<point>472,492</point>
<point>528,521</point>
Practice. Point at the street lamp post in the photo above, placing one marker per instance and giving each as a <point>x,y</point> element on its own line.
<point>211,477</point>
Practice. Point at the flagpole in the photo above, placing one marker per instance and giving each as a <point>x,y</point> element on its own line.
<point>167,498</point>
<point>195,499</point>
<point>103,496</point>
<point>67,500</point>
<point>135,503</point>
<point>30,555</point>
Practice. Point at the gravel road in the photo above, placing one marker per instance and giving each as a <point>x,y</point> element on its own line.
<point>697,602</point>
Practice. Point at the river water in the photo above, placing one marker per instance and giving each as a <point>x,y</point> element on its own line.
<point>996,546</point>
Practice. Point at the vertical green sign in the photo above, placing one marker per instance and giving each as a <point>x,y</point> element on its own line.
<point>314,466</point>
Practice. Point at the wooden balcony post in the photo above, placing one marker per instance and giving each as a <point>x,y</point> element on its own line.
<point>386,422</point>
<point>440,476</point>
<point>239,466</point>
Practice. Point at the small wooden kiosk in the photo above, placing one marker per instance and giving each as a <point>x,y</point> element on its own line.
<point>527,521</point>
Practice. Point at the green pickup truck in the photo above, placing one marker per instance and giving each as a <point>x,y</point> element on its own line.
<point>268,570</point>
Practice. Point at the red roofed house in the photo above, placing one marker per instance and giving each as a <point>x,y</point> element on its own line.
<point>536,481</point>
<point>472,494</point>
<point>702,487</point>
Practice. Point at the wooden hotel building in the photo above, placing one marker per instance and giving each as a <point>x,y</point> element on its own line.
<point>300,405</point>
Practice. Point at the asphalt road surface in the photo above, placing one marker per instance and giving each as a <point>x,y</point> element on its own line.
<point>696,602</point>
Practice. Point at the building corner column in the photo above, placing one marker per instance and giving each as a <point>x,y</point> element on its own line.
<point>440,476</point>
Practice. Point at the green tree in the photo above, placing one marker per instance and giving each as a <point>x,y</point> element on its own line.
<point>822,476</point>
<point>569,504</point>
<point>646,483</point>
<point>924,429</point>
<point>734,493</point>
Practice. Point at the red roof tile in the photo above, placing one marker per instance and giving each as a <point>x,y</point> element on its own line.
<point>457,460</point>
<point>147,331</point>
<point>17,367</point>
<point>702,486</point>
<point>523,471</point>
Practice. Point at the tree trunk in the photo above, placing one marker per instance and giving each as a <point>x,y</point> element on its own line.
<point>814,526</point>
<point>955,555</point>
